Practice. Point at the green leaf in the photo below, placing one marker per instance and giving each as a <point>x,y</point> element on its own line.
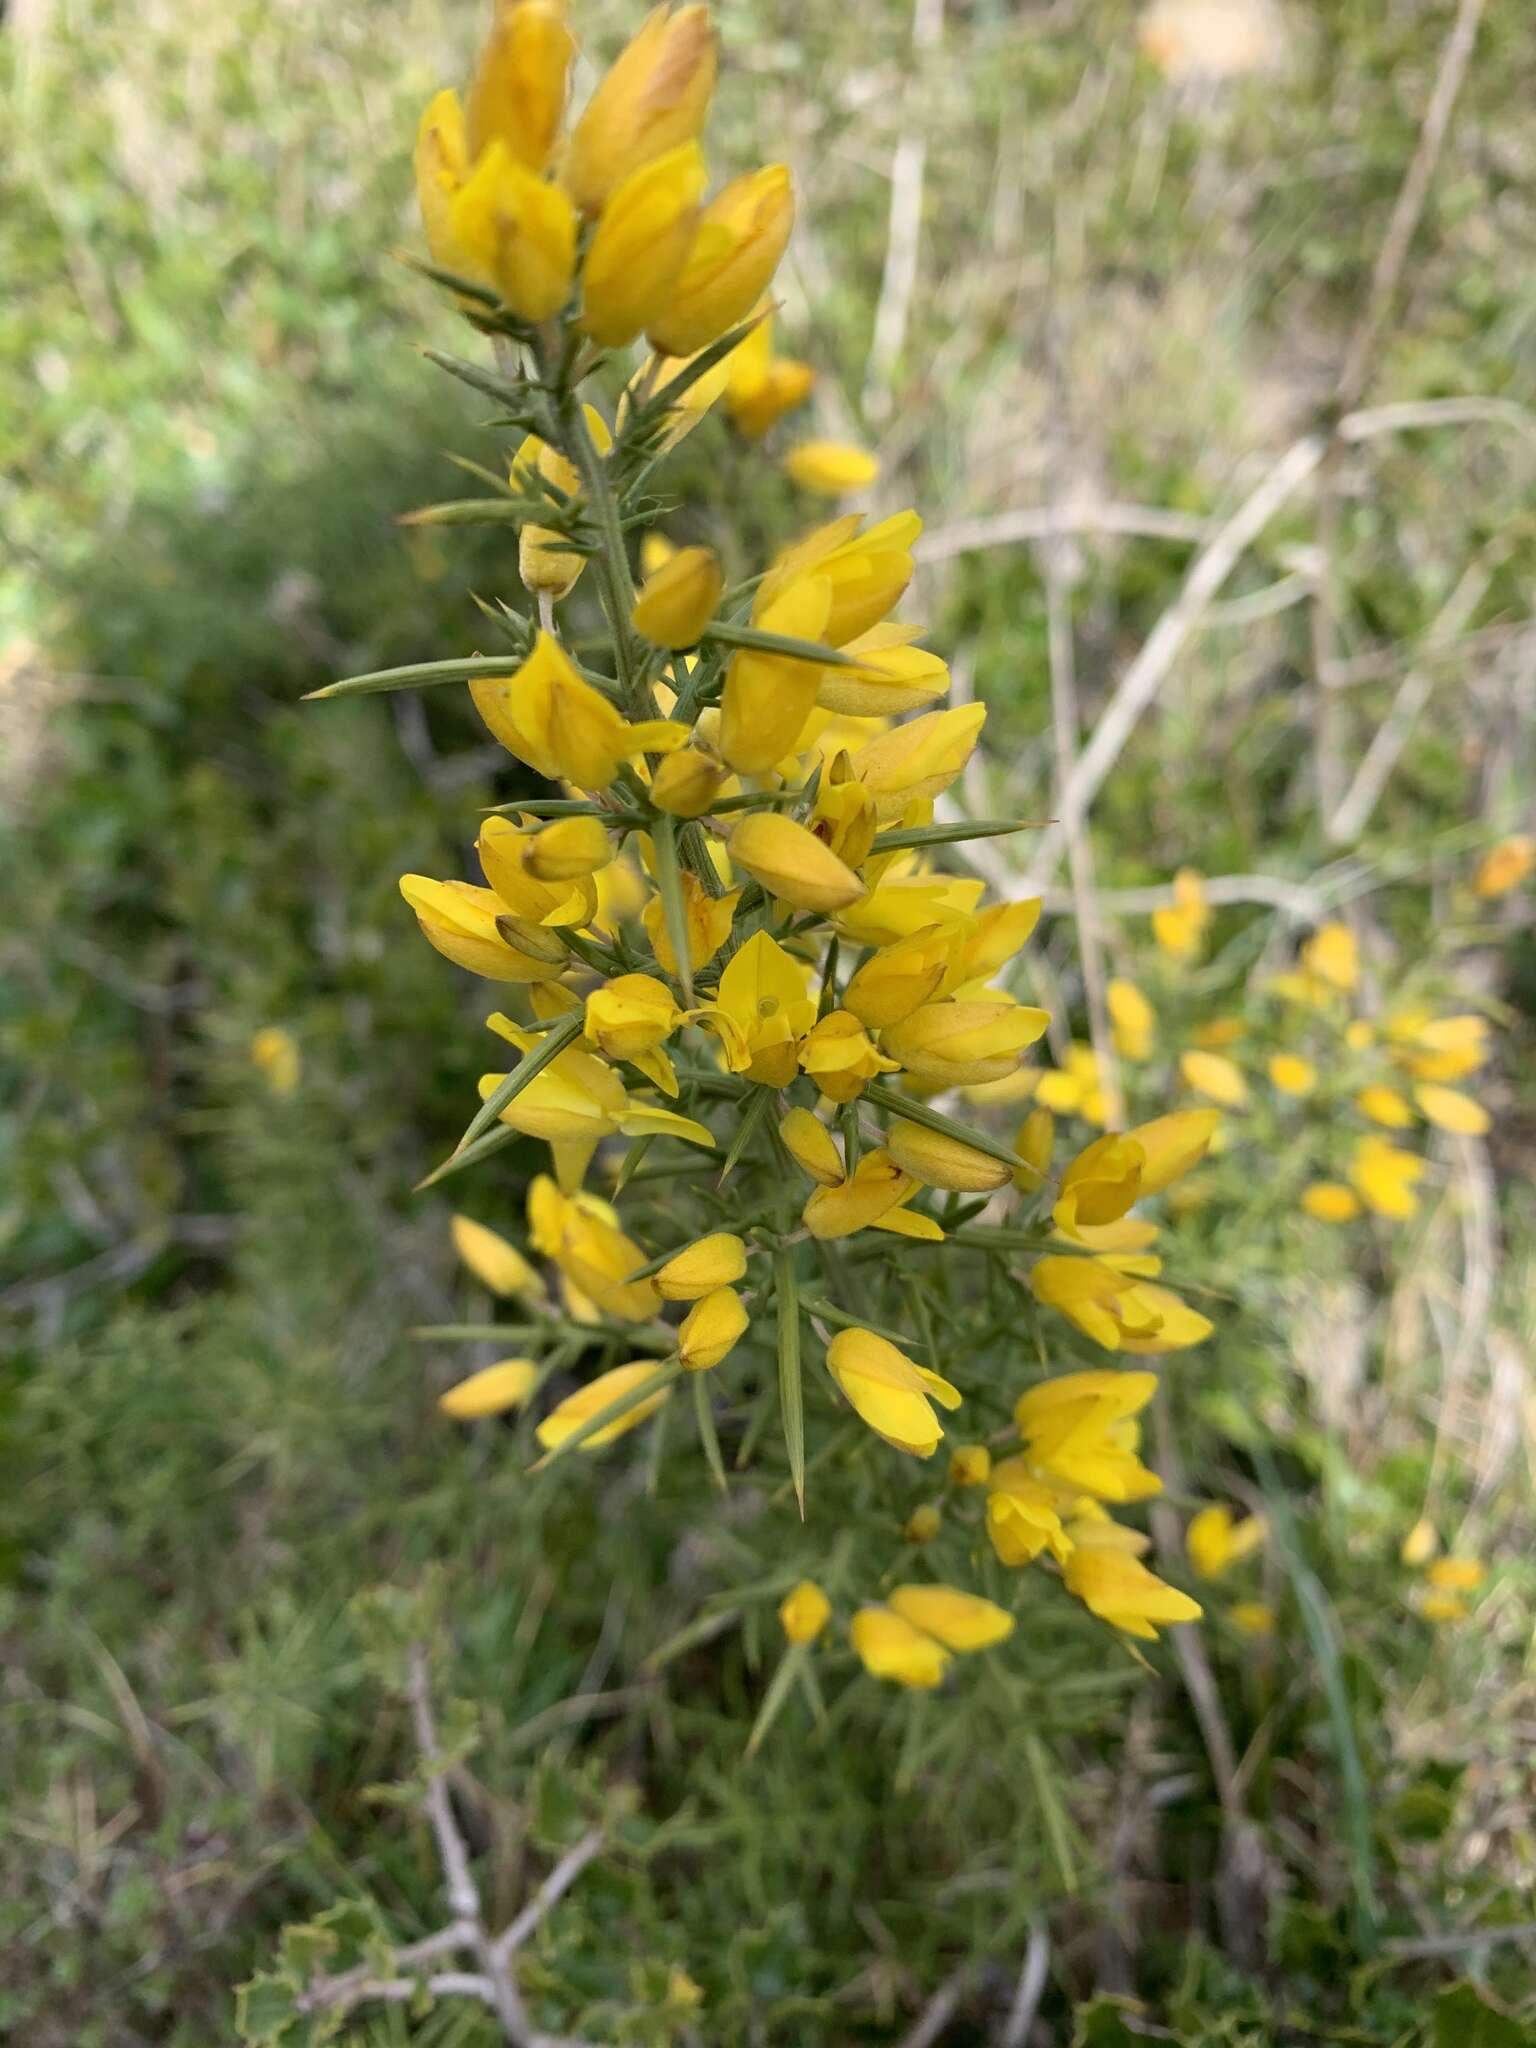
<point>709,1436</point>
<point>663,1376</point>
<point>1111,2022</point>
<point>1464,2017</point>
<point>420,675</point>
<point>878,1096</point>
<point>786,1296</point>
<point>779,1685</point>
<point>751,1117</point>
<point>471,1154</point>
<point>265,2009</point>
<point>669,886</point>
<point>725,635</point>
<point>486,382</point>
<point>469,512</point>
<point>951,835</point>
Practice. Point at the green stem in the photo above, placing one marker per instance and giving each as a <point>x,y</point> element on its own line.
<point>611,560</point>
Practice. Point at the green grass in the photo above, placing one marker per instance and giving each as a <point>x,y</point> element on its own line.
<point>230,1494</point>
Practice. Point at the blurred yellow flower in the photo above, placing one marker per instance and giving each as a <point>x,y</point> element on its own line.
<point>1291,1074</point>
<point>923,1524</point>
<point>804,1612</point>
<point>889,1647</point>
<point>494,1262</point>
<point>609,1387</point>
<point>1505,866</point>
<point>1132,1020</point>
<point>1215,1542</point>
<point>1384,1177</point>
<point>833,468</point>
<point>1332,955</point>
<point>1421,1543</point>
<point>517,95</point>
<point>653,99</point>
<point>1384,1106</point>
<point>1450,1110</point>
<point>275,1055</point>
<point>1212,1074</point>
<point>492,1391</point>
<point>1252,1617</point>
<point>970,1465</point>
<point>678,599</point>
<point>1120,1590</point>
<point>1179,928</point>
<point>1330,1202</point>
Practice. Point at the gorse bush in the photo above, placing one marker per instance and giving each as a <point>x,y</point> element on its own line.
<point>729,945</point>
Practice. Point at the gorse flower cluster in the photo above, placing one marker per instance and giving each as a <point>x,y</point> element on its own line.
<point>762,1032</point>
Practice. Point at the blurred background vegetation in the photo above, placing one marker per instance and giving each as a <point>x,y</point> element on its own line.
<point>1140,258</point>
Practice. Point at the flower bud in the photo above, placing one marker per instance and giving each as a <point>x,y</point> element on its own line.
<point>900,978</point>
<point>919,759</point>
<point>889,1647</point>
<point>460,920</point>
<point>710,1329</point>
<point>679,600</point>
<point>699,1268</point>
<point>962,1042</point>
<point>833,469</point>
<point>938,1161</point>
<point>923,1524</point>
<point>961,1621</point>
<point>517,232</point>
<point>631,1015</point>
<point>686,783</point>
<point>518,93</point>
<point>792,863</point>
<point>596,1395</point>
<point>1505,866</point>
<point>642,242</point>
<point>838,1056</point>
<point>545,560</point>
<point>654,98</point>
<point>804,1612</point>
<point>741,236</point>
<point>1172,1145</point>
<point>442,165</point>
<point>568,849</point>
<point>970,1465</point>
<point>844,817</point>
<point>491,1391</point>
<point>812,1147</point>
<point>1100,1184</point>
<point>889,1392</point>
<point>494,1263</point>
<point>893,676</point>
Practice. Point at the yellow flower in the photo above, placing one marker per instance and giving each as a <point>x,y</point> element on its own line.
<point>923,1524</point>
<point>1420,1544</point>
<point>918,759</point>
<point>653,99</point>
<point>708,919</point>
<point>1132,1020</point>
<point>679,599</point>
<point>811,1145</point>
<point>970,1465</point>
<point>792,863</point>
<point>839,1057</point>
<point>568,849</point>
<point>630,1015</point>
<point>804,1612</point>
<point>590,1400</point>
<point>545,559</point>
<point>832,468</point>
<point>1100,1184</point>
<point>843,818</point>
<point>1252,1617</point>
<point>494,1263</point>
<point>517,232</point>
<point>686,783</point>
<point>1450,1110</point>
<point>1441,1048</point>
<point>710,1329</point>
<point>1119,1589</point>
<point>763,1008</point>
<point>899,906</point>
<point>1505,866</point>
<point>1215,1542</point>
<point>761,386</point>
<point>1172,1145</point>
<point>642,241</point>
<point>492,1390</point>
<point>955,1042</point>
<point>889,1392</point>
<point>1443,1607</point>
<point>1291,1074</point>
<point>1330,1201</point>
<point>1078,1429</point>
<point>1024,1515</point>
<point>990,940</point>
<point>1209,1073</point>
<point>1076,1085</point>
<point>548,716</point>
<point>517,96</point>
<point>874,1191</point>
<point>1384,1176</point>
<point>1115,1309</point>
<point>889,1647</point>
<point>898,979</point>
<point>1179,928</point>
<point>1033,1142</point>
<point>699,1268</point>
<point>442,164</point>
<point>460,920</point>
<point>578,1100</point>
<point>741,235</point>
<point>1457,1574</point>
<point>938,1161</point>
<point>867,572</point>
<point>275,1056</point>
<point>960,1621</point>
<point>769,696</point>
<point>1384,1106</point>
<point>1332,955</point>
<point>507,856</point>
<point>581,1234</point>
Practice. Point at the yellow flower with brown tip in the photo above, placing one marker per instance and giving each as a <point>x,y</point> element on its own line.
<point>741,235</point>
<point>833,469</point>
<point>653,99</point>
<point>491,1391</point>
<point>718,1260</point>
<point>792,863</point>
<point>494,1263</point>
<point>678,600</point>
<point>517,95</point>
<point>1505,866</point>
<point>804,1612</point>
<point>1119,1589</point>
<point>710,1329</point>
<point>956,1042</point>
<point>888,1391</point>
<point>516,231</point>
<point>970,1465</point>
<point>919,759</point>
<point>461,921</point>
<point>592,1399</point>
<point>1215,1541</point>
<point>642,242</point>
<point>839,1056</point>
